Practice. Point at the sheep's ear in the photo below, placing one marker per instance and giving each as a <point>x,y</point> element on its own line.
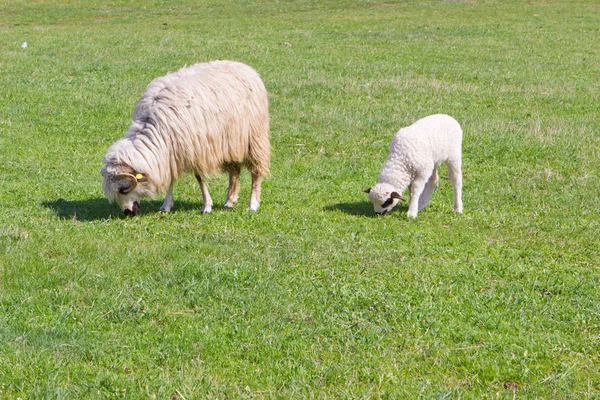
<point>140,177</point>
<point>125,183</point>
<point>396,195</point>
<point>368,190</point>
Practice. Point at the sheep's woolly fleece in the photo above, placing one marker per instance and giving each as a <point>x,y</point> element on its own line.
<point>207,118</point>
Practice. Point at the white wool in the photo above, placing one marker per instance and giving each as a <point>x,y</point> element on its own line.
<point>204,118</point>
<point>415,154</point>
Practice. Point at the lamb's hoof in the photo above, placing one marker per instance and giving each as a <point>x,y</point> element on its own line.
<point>164,210</point>
<point>255,209</point>
<point>411,215</point>
<point>206,210</point>
<point>228,206</point>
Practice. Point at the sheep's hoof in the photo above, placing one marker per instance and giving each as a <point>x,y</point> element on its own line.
<point>164,210</point>
<point>253,205</point>
<point>228,206</point>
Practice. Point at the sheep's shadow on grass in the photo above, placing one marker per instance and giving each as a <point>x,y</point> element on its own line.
<point>363,208</point>
<point>360,208</point>
<point>99,208</point>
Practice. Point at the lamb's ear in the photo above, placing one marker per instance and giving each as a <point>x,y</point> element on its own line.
<point>368,190</point>
<point>396,195</point>
<point>125,183</point>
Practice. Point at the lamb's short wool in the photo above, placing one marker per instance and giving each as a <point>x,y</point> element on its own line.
<point>415,155</point>
<point>207,118</point>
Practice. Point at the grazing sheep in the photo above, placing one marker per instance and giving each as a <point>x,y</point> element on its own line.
<point>208,118</point>
<point>415,155</point>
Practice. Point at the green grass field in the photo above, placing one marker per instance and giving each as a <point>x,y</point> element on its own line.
<point>313,296</point>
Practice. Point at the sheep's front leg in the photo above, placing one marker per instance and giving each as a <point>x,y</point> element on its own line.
<point>416,189</point>
<point>255,194</point>
<point>168,203</point>
<point>234,186</point>
<point>206,200</point>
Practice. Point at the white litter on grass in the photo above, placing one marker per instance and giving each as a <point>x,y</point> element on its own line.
<point>24,45</point>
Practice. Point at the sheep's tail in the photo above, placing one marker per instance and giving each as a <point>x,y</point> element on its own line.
<point>259,151</point>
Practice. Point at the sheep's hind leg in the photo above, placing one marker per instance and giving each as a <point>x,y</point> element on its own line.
<point>429,189</point>
<point>234,185</point>
<point>416,189</point>
<point>168,203</point>
<point>206,200</point>
<point>455,172</point>
<point>255,194</point>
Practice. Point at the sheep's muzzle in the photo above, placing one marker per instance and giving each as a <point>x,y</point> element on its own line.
<point>135,210</point>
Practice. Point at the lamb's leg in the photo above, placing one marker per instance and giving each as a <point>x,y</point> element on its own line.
<point>168,203</point>
<point>206,200</point>
<point>234,186</point>
<point>416,189</point>
<point>255,194</point>
<point>455,173</point>
<point>429,189</point>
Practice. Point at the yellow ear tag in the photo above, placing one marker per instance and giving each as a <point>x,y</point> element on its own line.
<point>139,176</point>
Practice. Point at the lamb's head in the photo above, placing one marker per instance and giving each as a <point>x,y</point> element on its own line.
<point>384,197</point>
<point>126,186</point>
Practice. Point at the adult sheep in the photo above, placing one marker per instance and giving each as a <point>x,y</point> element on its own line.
<point>415,155</point>
<point>208,118</point>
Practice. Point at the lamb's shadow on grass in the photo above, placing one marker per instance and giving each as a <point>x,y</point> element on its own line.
<point>99,208</point>
<point>360,208</point>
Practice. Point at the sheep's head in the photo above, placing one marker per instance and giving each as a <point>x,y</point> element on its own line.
<point>384,197</point>
<point>126,187</point>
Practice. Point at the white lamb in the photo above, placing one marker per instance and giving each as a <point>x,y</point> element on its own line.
<point>415,155</point>
<point>208,118</point>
